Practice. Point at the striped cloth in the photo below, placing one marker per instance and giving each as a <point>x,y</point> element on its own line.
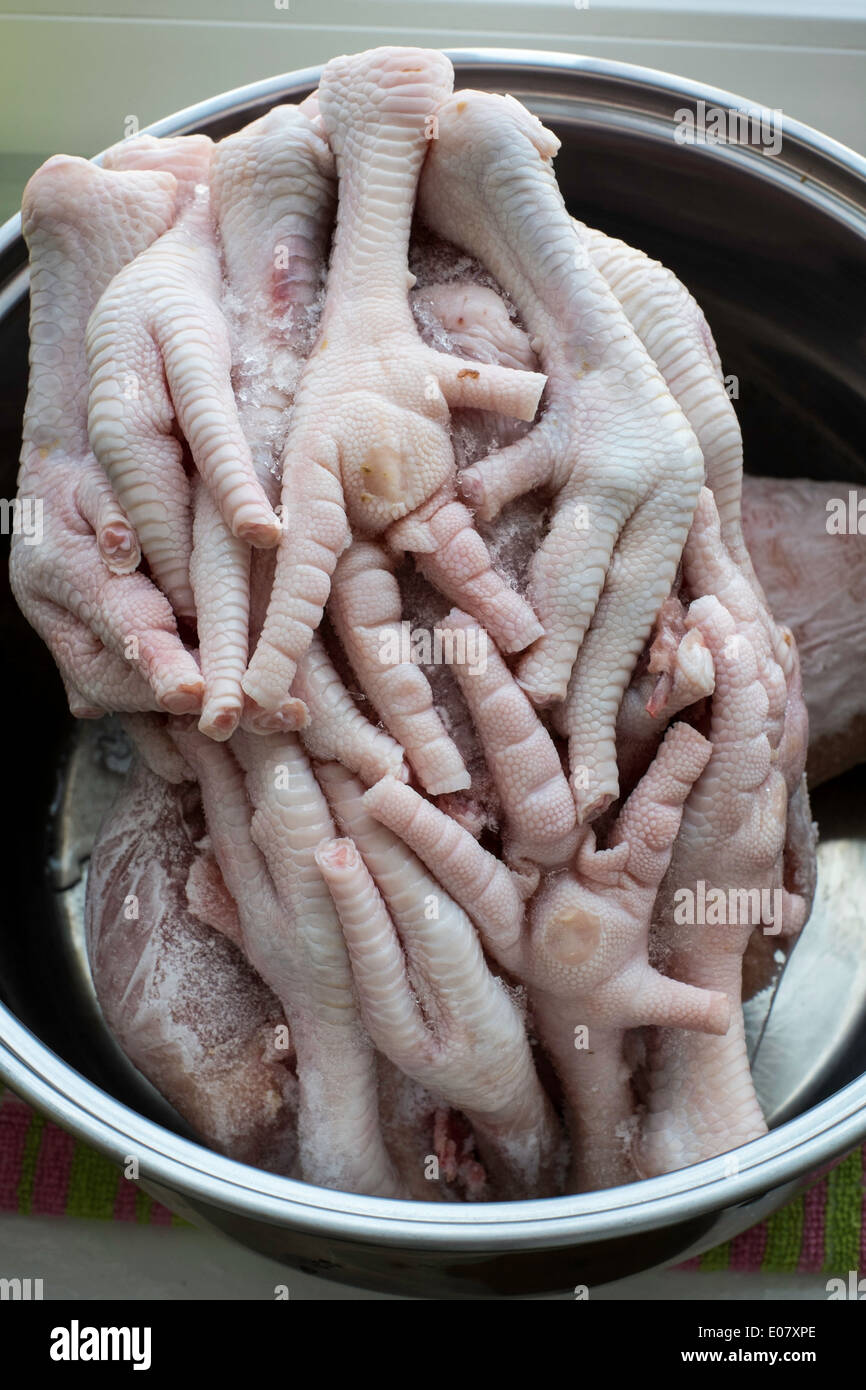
<point>823,1231</point>
<point>45,1171</point>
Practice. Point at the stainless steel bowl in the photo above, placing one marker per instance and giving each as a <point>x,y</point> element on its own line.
<point>775,250</point>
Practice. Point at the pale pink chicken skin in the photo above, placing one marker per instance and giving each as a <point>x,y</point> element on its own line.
<point>366,611</point>
<point>159,326</point>
<point>581,944</point>
<point>815,580</point>
<point>368,443</point>
<point>111,632</point>
<point>540,823</point>
<point>264,828</point>
<point>429,1000</point>
<point>672,328</point>
<point>469,318</point>
<point>273,187</point>
<point>182,1002</point>
<point>624,496</point>
<point>701,1100</point>
<point>151,737</point>
<point>336,728</point>
<point>477,323</point>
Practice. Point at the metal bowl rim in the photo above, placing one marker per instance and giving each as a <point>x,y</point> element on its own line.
<point>798,1147</point>
<point>189,118</point>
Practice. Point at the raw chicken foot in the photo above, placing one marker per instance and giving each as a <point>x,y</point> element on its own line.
<point>365,609</point>
<point>540,825</point>
<point>612,444</point>
<point>428,998</point>
<point>701,1100</point>
<point>111,632</point>
<point>264,829</point>
<point>159,326</point>
<point>368,443</point>
<point>337,729</point>
<point>273,187</point>
<point>581,944</point>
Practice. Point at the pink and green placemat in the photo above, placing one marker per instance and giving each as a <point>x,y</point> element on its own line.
<point>44,1171</point>
<point>823,1231</point>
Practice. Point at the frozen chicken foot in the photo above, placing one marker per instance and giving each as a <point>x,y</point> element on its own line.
<point>369,440</point>
<point>265,819</point>
<point>110,630</point>
<point>701,1100</point>
<point>273,188</point>
<point>430,1001</point>
<point>612,445</point>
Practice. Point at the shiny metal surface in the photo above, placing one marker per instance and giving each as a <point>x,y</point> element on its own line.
<point>775,250</point>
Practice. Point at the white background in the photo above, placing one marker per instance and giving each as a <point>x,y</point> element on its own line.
<point>71,71</point>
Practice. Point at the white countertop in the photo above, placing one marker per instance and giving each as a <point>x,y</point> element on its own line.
<point>95,1260</point>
